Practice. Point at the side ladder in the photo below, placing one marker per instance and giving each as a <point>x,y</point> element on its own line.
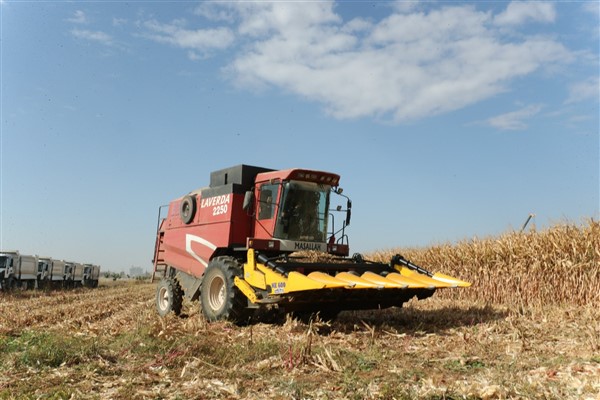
<point>159,263</point>
<point>158,260</point>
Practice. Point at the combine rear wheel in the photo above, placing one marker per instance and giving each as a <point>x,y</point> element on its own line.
<point>169,297</point>
<point>219,297</point>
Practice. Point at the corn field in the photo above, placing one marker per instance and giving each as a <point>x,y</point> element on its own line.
<point>560,265</point>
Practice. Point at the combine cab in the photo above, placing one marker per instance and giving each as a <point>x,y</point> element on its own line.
<point>259,239</point>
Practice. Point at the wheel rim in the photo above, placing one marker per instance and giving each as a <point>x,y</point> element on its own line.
<point>163,298</point>
<point>216,293</point>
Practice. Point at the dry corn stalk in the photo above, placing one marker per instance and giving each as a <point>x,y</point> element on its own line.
<point>560,265</point>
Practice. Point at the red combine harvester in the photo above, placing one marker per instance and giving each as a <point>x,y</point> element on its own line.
<point>232,246</point>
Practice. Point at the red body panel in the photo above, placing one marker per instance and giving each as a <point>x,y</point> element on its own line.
<point>219,222</point>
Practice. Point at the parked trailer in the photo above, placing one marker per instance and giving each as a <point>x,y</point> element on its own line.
<point>27,273</point>
<point>17,270</point>
<point>58,272</point>
<point>68,275</point>
<point>44,274</point>
<point>7,269</point>
<point>55,273</point>
<point>95,274</point>
<point>77,274</point>
<point>91,274</point>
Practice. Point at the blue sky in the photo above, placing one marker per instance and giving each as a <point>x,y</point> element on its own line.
<point>446,120</point>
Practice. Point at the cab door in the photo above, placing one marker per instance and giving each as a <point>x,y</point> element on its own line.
<point>267,206</point>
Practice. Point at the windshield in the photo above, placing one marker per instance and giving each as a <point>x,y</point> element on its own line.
<point>3,261</point>
<point>303,212</point>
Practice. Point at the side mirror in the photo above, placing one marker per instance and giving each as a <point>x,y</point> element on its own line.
<point>248,200</point>
<point>348,212</point>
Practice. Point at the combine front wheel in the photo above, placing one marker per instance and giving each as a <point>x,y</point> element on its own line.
<point>219,297</point>
<point>168,297</point>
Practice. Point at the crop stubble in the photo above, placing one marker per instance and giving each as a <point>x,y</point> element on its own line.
<point>107,309</point>
<point>488,341</point>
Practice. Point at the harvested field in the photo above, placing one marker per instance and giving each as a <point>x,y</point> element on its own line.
<point>84,311</point>
<point>110,343</point>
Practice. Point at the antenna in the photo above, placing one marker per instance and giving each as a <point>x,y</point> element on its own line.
<point>527,221</point>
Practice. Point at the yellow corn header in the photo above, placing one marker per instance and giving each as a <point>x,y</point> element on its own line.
<point>295,285</point>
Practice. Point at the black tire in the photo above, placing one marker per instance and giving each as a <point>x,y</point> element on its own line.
<point>220,299</point>
<point>8,284</point>
<point>187,209</point>
<point>169,297</point>
<point>11,283</point>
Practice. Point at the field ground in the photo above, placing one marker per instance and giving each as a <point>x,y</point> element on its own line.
<point>110,343</point>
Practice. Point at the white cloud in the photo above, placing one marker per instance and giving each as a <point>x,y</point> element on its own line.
<point>95,36</point>
<point>192,55</point>
<point>406,66</point>
<point>357,25</point>
<point>585,90</point>
<point>439,25</point>
<point>267,18</point>
<point>176,35</point>
<point>413,63</point>
<point>78,17</point>
<point>515,120</point>
<point>592,7</point>
<point>214,11</point>
<point>118,21</point>
<point>519,12</point>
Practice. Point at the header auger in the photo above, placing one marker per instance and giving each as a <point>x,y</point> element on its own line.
<point>247,241</point>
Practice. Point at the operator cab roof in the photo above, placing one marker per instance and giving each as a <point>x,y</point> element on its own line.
<point>299,174</point>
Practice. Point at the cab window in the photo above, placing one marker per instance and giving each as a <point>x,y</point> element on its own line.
<point>266,200</point>
<point>303,213</point>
